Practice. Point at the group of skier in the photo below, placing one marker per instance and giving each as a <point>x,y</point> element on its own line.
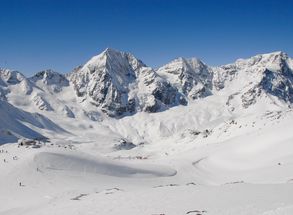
<point>5,161</point>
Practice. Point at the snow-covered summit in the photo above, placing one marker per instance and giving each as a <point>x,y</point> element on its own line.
<point>50,79</point>
<point>265,75</point>
<point>119,83</point>
<point>112,58</point>
<point>10,76</point>
<point>191,76</point>
<point>268,59</point>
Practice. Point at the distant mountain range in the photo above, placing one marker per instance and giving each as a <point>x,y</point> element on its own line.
<point>117,84</point>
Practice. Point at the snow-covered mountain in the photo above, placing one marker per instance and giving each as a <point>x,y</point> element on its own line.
<point>190,76</point>
<point>117,84</point>
<point>262,76</point>
<point>51,79</point>
<point>115,136</point>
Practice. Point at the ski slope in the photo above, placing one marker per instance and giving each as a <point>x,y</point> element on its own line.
<point>247,169</point>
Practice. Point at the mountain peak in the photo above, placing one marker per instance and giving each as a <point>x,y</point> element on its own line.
<point>11,76</point>
<point>281,53</point>
<point>46,73</point>
<point>180,63</point>
<point>112,60</point>
<point>191,76</point>
<point>183,59</point>
<point>272,57</point>
<point>111,51</point>
<point>50,77</point>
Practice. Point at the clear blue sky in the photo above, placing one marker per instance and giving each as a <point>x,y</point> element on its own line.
<point>62,34</point>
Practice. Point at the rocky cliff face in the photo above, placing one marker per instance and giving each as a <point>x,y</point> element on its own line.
<point>261,75</point>
<point>190,76</point>
<point>51,79</point>
<point>13,78</point>
<point>277,79</point>
<point>119,84</point>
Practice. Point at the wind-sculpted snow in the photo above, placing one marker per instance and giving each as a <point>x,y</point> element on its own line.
<point>98,165</point>
<point>261,156</point>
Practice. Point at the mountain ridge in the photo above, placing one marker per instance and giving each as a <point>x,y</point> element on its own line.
<point>116,84</point>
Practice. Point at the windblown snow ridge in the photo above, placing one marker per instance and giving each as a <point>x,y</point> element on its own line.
<point>94,165</point>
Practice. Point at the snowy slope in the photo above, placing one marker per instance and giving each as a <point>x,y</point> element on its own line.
<point>242,167</point>
<point>16,123</point>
